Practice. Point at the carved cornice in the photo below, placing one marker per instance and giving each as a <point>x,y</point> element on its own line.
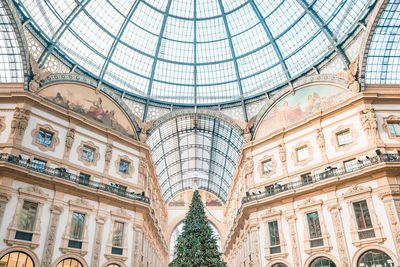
<point>356,190</point>
<point>310,203</point>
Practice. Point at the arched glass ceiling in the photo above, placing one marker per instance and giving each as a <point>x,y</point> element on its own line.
<point>198,51</point>
<point>383,62</point>
<point>11,69</point>
<point>195,150</point>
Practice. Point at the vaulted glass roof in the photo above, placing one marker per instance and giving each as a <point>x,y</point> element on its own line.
<point>195,150</point>
<point>194,51</point>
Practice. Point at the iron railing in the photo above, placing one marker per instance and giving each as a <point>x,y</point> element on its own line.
<point>329,173</point>
<point>63,174</point>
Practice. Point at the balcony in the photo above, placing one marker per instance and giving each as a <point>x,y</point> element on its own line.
<point>312,179</point>
<point>61,173</point>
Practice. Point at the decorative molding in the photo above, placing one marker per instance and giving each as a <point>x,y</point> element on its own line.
<point>51,235</point>
<point>370,125</point>
<point>291,219</point>
<point>298,146</point>
<point>339,233</point>
<point>19,123</point>
<point>269,216</point>
<point>47,128</point>
<point>341,129</point>
<point>96,153</point>
<point>391,119</point>
<point>100,220</point>
<point>356,190</point>
<point>2,123</point>
<point>131,167</point>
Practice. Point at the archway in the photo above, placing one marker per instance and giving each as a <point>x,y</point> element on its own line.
<point>322,262</point>
<point>374,257</point>
<point>16,258</point>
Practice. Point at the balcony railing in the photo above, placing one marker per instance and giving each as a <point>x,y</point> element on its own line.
<point>63,174</point>
<point>332,172</point>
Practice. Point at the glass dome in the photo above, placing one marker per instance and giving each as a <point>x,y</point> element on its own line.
<point>194,51</point>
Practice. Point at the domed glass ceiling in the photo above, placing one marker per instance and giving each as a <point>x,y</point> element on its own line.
<point>194,51</point>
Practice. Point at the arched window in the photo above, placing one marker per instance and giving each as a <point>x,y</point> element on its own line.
<point>279,265</point>
<point>16,258</point>
<point>322,262</point>
<point>374,258</point>
<point>69,262</point>
<point>113,265</point>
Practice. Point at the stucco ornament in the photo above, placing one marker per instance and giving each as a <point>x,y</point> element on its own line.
<point>39,74</point>
<point>246,127</point>
<point>19,122</point>
<point>350,76</point>
<point>144,127</point>
<point>108,154</point>
<point>369,124</point>
<point>282,153</point>
<point>70,138</point>
<point>320,139</point>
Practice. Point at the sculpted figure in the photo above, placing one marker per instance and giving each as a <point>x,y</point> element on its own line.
<point>39,74</point>
<point>70,138</point>
<point>350,75</point>
<point>282,153</point>
<point>19,122</point>
<point>144,127</point>
<point>246,127</point>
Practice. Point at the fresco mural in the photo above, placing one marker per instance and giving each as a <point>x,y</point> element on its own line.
<point>86,102</point>
<point>293,108</point>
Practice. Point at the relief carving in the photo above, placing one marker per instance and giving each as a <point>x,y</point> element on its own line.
<point>144,127</point>
<point>369,123</point>
<point>97,243</point>
<point>246,128</point>
<point>39,74</point>
<point>337,224</point>
<point>19,122</point>
<point>350,76</point>
<point>291,219</point>
<point>70,138</point>
<point>51,235</point>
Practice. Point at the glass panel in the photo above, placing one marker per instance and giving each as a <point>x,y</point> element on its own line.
<point>306,178</point>
<point>273,233</point>
<point>375,258</point>
<point>314,227</point>
<point>302,153</point>
<point>363,217</point>
<point>344,138</point>
<point>267,166</point>
<point>124,166</point>
<point>394,128</point>
<point>38,165</point>
<point>118,233</point>
<point>44,138</point>
<point>322,262</point>
<point>69,262</point>
<point>77,226</point>
<point>27,216</point>
<point>87,153</point>
<point>16,259</point>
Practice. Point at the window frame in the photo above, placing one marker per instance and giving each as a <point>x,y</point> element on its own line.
<point>260,168</point>
<point>386,121</point>
<point>272,215</point>
<point>96,153</point>
<point>347,141</point>
<point>340,129</point>
<point>48,129</point>
<point>131,168</point>
<point>295,153</point>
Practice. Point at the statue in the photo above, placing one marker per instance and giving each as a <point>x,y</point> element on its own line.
<point>70,138</point>
<point>19,122</point>
<point>320,139</point>
<point>246,127</point>
<point>144,127</point>
<point>39,74</point>
<point>350,76</point>
<point>108,152</point>
<point>368,122</point>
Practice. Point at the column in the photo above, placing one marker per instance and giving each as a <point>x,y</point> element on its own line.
<point>51,234</point>
<point>4,198</point>
<point>98,238</point>
<point>255,246</point>
<point>387,198</point>
<point>291,219</point>
<point>341,242</point>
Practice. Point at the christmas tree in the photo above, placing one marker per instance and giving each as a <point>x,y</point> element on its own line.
<point>197,246</point>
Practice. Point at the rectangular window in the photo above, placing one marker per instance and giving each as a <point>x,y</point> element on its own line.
<point>77,226</point>
<point>344,138</point>
<point>118,234</point>
<point>84,178</point>
<point>27,217</point>
<point>87,153</point>
<point>314,228</point>
<point>273,233</point>
<point>267,166</point>
<point>350,165</point>
<point>302,153</point>
<point>362,215</point>
<point>394,128</point>
<point>306,178</point>
<point>124,166</point>
<point>38,165</point>
<point>44,138</point>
